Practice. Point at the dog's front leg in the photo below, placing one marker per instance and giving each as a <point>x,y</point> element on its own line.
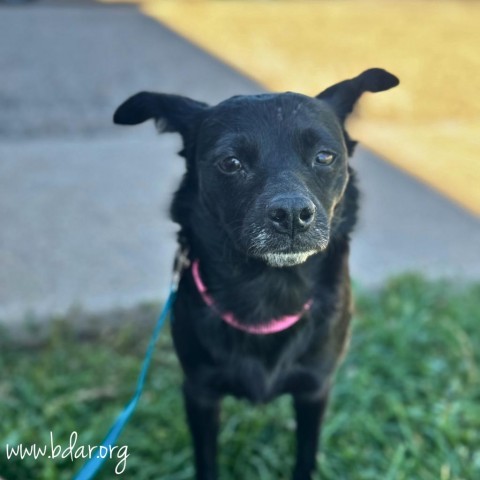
<point>309,415</point>
<point>203,420</point>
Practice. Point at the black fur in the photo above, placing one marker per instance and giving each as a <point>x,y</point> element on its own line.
<point>256,193</point>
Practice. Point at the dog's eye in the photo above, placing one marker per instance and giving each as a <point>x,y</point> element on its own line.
<point>324,157</point>
<point>230,165</point>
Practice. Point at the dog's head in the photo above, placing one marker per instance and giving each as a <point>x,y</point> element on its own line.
<point>267,171</point>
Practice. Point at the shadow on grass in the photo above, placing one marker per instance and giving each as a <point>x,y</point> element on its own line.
<point>406,403</point>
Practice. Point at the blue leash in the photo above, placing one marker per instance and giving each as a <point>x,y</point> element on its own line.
<point>91,467</point>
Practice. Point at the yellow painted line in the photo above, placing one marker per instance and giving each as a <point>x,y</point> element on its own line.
<point>429,126</point>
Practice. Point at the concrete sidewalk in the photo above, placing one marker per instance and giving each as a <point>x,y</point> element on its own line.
<point>83,204</point>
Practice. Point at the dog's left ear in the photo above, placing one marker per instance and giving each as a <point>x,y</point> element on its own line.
<point>343,96</point>
<point>172,113</point>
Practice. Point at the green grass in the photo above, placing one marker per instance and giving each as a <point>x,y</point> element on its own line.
<point>406,403</point>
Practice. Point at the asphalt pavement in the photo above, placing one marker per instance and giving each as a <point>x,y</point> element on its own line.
<point>83,203</point>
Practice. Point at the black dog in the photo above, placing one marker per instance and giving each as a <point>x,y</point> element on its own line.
<point>266,209</point>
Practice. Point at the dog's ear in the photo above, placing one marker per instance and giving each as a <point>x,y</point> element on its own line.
<point>172,113</point>
<point>343,96</point>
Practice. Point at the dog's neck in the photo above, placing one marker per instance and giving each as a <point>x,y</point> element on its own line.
<point>274,325</point>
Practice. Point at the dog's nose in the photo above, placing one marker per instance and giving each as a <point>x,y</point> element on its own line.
<point>291,214</point>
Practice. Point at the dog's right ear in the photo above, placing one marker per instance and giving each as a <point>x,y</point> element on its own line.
<point>172,113</point>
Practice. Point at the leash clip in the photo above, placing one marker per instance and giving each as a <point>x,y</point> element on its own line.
<point>180,264</point>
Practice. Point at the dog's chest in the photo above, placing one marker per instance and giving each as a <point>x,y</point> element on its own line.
<point>259,375</point>
<point>255,382</point>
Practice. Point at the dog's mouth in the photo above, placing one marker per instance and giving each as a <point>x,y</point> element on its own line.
<point>283,251</point>
<point>286,259</point>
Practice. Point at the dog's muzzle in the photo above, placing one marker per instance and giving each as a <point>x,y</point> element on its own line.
<point>285,229</point>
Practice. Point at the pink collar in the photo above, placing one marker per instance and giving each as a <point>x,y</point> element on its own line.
<point>273,326</point>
